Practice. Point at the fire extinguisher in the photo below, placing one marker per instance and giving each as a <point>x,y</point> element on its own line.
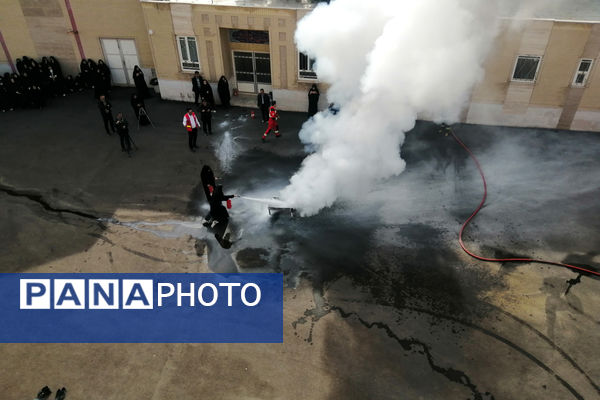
<point>252,114</point>
<point>229,203</point>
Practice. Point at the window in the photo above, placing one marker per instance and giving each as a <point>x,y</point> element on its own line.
<point>188,53</point>
<point>306,67</point>
<point>526,68</point>
<point>585,65</point>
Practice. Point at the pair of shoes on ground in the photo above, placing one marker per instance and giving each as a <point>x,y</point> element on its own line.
<point>45,393</point>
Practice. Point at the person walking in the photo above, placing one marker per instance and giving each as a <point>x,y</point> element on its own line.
<point>196,83</point>
<point>313,100</point>
<point>223,89</point>
<point>263,102</point>
<point>273,125</point>
<point>191,123</point>
<point>106,112</point>
<point>123,131</point>
<point>206,117</point>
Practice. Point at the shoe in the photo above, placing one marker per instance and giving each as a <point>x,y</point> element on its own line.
<point>44,393</point>
<point>122,150</point>
<point>193,150</point>
<point>263,140</point>
<point>196,147</point>
<point>277,136</point>
<point>61,394</point>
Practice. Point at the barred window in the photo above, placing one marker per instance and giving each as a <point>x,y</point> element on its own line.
<point>188,53</point>
<point>306,67</point>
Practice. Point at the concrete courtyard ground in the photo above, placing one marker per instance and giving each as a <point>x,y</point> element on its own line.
<point>380,302</point>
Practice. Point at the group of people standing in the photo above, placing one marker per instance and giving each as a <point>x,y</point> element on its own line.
<point>203,91</point>
<point>34,84</point>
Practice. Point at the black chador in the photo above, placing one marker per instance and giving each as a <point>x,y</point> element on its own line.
<point>223,88</point>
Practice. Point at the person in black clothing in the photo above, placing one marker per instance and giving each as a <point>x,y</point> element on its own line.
<point>223,89</point>
<point>106,75</point>
<point>56,67</point>
<point>123,131</point>
<point>86,76</point>
<point>206,93</point>
<point>137,103</point>
<point>106,112</point>
<point>100,88</point>
<point>15,92</point>
<point>140,83</point>
<point>206,117</point>
<point>218,218</point>
<point>313,100</point>
<point>20,66</point>
<point>93,72</point>
<point>196,83</point>
<point>263,102</point>
<point>4,104</point>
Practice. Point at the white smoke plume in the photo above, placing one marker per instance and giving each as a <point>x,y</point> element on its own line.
<point>388,62</point>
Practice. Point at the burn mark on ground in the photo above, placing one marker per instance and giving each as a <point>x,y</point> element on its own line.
<point>252,258</point>
<point>39,199</point>
<point>412,345</point>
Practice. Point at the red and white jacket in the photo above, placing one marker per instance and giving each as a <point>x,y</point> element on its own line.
<point>190,122</point>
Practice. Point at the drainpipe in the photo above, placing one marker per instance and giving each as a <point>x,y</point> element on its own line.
<point>74,29</point>
<point>7,53</point>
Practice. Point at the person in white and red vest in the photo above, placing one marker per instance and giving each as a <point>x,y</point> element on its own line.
<point>191,123</point>
<point>273,125</point>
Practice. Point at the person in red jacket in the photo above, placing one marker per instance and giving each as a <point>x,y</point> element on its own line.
<point>273,125</point>
<point>191,123</point>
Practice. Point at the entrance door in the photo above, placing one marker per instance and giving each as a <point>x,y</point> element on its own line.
<point>121,57</point>
<point>252,71</point>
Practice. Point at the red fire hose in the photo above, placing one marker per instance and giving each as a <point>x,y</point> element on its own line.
<point>464,225</point>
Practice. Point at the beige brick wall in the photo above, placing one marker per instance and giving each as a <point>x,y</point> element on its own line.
<point>15,31</point>
<point>561,58</point>
<point>122,19</point>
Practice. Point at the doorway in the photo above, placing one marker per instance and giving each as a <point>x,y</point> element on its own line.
<point>121,56</point>
<point>252,71</point>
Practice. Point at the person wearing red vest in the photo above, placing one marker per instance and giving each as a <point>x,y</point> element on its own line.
<point>273,125</point>
<point>191,123</point>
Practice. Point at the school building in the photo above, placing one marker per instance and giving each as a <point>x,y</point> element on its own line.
<point>540,73</point>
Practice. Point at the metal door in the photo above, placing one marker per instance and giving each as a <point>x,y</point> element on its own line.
<point>121,57</point>
<point>252,71</point>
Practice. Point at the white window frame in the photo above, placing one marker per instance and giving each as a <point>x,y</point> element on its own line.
<point>586,74</point>
<point>512,76</point>
<point>306,78</point>
<point>182,60</point>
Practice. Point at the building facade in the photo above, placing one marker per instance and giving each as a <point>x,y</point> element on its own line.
<point>539,73</point>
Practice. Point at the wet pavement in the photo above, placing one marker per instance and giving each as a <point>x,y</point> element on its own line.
<point>380,301</point>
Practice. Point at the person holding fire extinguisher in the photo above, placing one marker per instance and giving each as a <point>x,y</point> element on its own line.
<point>273,125</point>
<point>191,123</point>
<point>218,218</point>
